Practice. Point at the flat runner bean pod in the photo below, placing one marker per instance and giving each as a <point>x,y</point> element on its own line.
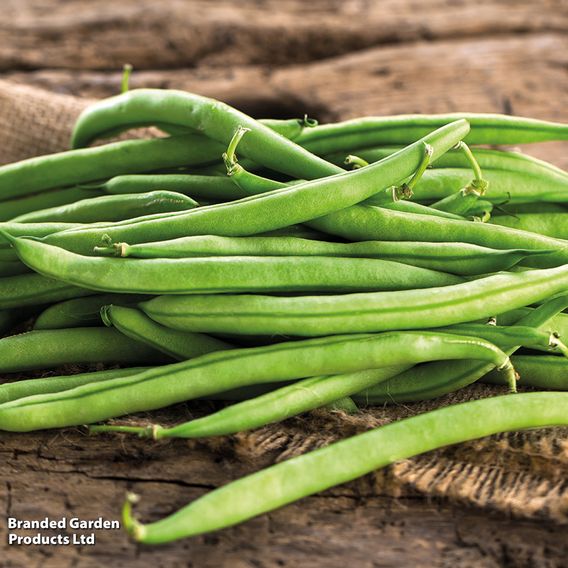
<point>355,313</point>
<point>216,120</point>
<point>360,223</point>
<point>425,382</point>
<point>34,290</point>
<point>52,348</point>
<point>541,371</point>
<point>214,275</point>
<point>234,368</point>
<point>343,461</point>
<point>112,208</point>
<point>455,258</point>
<point>274,406</point>
<point>31,387</point>
<point>403,129</point>
<point>91,164</point>
<point>273,210</point>
<point>177,344</point>
<point>82,312</point>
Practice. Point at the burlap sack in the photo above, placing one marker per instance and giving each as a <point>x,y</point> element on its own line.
<point>523,474</point>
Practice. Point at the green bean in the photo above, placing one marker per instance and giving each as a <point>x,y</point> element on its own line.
<point>81,312</point>
<point>415,208</point>
<point>343,461</point>
<point>12,268</point>
<point>492,129</point>
<point>345,404</point>
<point>224,370</point>
<point>549,224</point>
<point>112,208</point>
<point>273,210</point>
<point>559,322</point>
<point>90,164</point>
<point>34,290</point>
<point>178,344</point>
<point>225,274</point>
<point>360,223</point>
<point>425,382</point>
<point>31,387</point>
<point>197,186</point>
<point>541,371</point>
<point>455,258</point>
<point>274,406</point>
<point>212,118</point>
<point>354,313</point>
<point>459,203</point>
<point>30,230</point>
<point>52,348</point>
<point>11,208</point>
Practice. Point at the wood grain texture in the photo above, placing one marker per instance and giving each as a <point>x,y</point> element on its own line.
<point>334,60</point>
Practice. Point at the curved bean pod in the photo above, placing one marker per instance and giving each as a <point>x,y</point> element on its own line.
<point>343,461</point>
<point>235,368</point>
<point>225,274</point>
<point>455,258</point>
<point>178,344</point>
<point>111,208</point>
<point>541,371</point>
<point>355,313</point>
<point>53,348</point>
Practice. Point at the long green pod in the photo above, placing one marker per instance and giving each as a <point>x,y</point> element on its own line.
<point>215,275</point>
<point>355,313</point>
<point>343,461</point>
<point>274,406</point>
<point>558,323</point>
<point>541,371</point>
<point>197,186</point>
<point>550,224</point>
<point>112,208</point>
<point>178,344</point>
<point>360,223</point>
<point>32,387</point>
<point>489,129</point>
<point>34,290</point>
<point>425,382</point>
<point>216,120</point>
<point>38,230</point>
<point>47,349</point>
<point>234,368</point>
<point>455,258</point>
<point>273,210</point>
<point>91,164</point>
<point>11,208</point>
<point>82,312</point>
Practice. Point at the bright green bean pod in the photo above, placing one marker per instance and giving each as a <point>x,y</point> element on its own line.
<point>459,203</point>
<point>29,230</point>
<point>558,323</point>
<point>234,368</point>
<point>11,208</point>
<point>541,371</point>
<point>416,209</point>
<point>343,461</point>
<point>112,208</point>
<point>91,164</point>
<point>216,188</point>
<point>216,120</point>
<point>32,387</point>
<point>34,290</point>
<point>52,348</point>
<point>274,406</point>
<point>81,312</point>
<point>178,344</point>
<point>455,258</point>
<point>359,223</point>
<point>215,275</point>
<point>355,313</point>
<point>425,382</point>
<point>273,210</point>
<point>403,129</point>
<point>549,224</point>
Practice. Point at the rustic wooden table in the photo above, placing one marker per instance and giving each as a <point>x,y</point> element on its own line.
<point>333,60</point>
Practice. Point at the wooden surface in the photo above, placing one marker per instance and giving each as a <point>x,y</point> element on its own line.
<point>333,60</point>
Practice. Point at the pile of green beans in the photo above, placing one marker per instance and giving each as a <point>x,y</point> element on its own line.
<point>381,260</point>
